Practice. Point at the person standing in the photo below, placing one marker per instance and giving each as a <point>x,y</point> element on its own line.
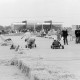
<point>58,34</point>
<point>77,34</point>
<point>64,35</point>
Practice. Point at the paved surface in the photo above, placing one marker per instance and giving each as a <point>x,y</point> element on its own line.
<point>68,58</point>
<point>8,72</point>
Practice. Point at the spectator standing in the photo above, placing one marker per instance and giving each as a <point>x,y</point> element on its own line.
<point>64,35</point>
<point>77,34</point>
<point>58,34</point>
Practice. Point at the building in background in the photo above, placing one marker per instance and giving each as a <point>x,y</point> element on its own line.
<point>48,25</point>
<point>19,26</point>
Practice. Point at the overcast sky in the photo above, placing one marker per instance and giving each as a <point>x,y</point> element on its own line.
<point>67,11</point>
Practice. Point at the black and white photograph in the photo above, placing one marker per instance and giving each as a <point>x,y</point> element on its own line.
<point>39,39</point>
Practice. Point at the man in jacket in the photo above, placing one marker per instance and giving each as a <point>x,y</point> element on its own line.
<point>64,35</point>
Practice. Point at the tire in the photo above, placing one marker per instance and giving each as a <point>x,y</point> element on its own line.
<point>62,47</point>
<point>25,46</point>
<point>35,45</point>
<point>51,47</point>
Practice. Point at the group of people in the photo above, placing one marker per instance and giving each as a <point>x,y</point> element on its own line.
<point>63,34</point>
<point>60,34</point>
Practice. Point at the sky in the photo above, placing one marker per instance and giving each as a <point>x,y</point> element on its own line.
<point>65,11</point>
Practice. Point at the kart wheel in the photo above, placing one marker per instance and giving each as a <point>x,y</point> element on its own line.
<point>25,46</point>
<point>62,47</point>
<point>51,46</point>
<point>35,45</point>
